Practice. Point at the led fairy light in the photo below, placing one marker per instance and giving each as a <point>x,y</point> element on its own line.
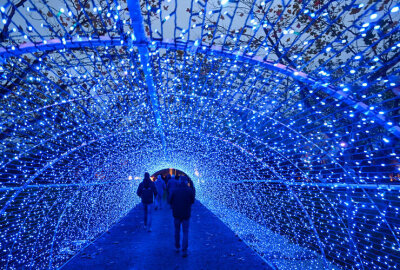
<point>288,124</point>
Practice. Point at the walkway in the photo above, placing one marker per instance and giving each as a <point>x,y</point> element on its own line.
<point>212,245</point>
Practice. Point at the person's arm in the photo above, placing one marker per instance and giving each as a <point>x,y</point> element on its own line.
<point>194,190</point>
<point>193,195</point>
<point>139,190</point>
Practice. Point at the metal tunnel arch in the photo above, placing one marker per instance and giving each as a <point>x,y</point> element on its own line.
<point>301,76</point>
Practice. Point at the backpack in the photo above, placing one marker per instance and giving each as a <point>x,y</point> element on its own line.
<point>147,195</point>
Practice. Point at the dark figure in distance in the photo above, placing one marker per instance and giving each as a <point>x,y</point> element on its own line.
<point>147,191</point>
<point>160,186</point>
<point>172,182</point>
<point>191,185</point>
<point>181,199</point>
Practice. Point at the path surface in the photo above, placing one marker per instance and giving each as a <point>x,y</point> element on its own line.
<point>212,245</point>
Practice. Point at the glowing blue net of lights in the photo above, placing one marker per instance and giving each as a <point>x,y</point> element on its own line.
<point>285,114</point>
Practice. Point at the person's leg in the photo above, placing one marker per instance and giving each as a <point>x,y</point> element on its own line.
<point>145,208</point>
<point>169,194</point>
<point>177,223</point>
<point>159,201</point>
<point>185,238</point>
<point>149,216</point>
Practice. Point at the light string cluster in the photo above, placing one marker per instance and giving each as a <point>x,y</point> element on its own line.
<point>284,113</point>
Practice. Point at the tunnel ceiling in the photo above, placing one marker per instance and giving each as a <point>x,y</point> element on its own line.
<point>282,104</point>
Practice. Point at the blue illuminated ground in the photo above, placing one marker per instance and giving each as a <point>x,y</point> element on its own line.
<point>212,245</point>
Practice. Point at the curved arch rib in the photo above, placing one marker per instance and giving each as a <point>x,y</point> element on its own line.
<point>142,45</point>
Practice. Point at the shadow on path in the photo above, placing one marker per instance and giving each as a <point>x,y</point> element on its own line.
<point>212,245</point>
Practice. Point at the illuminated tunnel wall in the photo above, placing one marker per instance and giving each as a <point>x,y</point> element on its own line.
<point>284,113</point>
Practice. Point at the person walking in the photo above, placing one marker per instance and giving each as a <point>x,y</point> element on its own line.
<point>172,182</point>
<point>146,191</point>
<point>181,199</point>
<point>160,186</point>
<point>191,185</point>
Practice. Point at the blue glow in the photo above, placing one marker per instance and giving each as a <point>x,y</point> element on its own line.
<point>286,117</point>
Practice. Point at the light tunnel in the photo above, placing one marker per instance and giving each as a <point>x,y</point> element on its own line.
<point>284,113</point>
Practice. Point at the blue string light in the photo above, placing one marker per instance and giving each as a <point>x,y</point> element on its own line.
<point>285,115</point>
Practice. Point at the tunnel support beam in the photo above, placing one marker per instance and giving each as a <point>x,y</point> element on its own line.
<point>142,42</point>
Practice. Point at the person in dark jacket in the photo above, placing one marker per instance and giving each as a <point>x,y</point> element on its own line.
<point>191,185</point>
<point>147,191</point>
<point>181,200</point>
<point>160,186</point>
<point>172,182</point>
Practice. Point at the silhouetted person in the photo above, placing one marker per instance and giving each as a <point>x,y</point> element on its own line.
<point>181,199</point>
<point>191,185</point>
<point>160,186</point>
<point>147,191</point>
<point>167,178</point>
<point>172,182</point>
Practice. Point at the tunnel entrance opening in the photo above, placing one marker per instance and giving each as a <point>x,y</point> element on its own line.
<point>166,173</point>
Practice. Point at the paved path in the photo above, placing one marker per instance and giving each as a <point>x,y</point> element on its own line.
<point>212,245</point>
